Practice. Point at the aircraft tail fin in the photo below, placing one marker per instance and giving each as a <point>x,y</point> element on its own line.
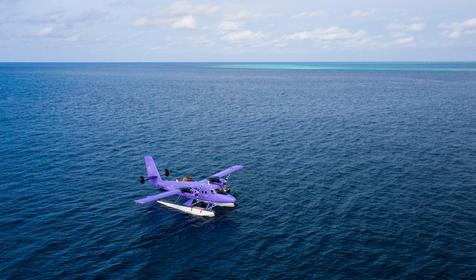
<point>152,172</point>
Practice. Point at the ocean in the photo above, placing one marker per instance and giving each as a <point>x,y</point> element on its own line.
<point>352,170</point>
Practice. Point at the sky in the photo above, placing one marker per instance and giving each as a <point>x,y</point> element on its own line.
<point>194,31</point>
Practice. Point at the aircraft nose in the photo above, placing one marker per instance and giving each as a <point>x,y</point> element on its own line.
<point>231,199</point>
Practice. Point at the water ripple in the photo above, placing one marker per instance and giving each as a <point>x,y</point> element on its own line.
<point>349,174</point>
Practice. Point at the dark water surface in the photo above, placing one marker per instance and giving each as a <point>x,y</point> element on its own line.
<point>348,174</point>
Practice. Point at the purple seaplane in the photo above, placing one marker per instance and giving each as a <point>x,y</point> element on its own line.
<point>201,196</point>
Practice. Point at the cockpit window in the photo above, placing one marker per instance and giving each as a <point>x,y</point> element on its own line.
<point>220,191</point>
<point>214,180</point>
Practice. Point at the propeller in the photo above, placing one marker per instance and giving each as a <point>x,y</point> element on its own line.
<point>142,179</point>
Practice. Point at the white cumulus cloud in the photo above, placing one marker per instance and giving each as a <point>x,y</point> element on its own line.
<point>229,25</point>
<point>179,15</point>
<point>403,33</point>
<point>403,38</point>
<point>457,29</point>
<point>185,22</point>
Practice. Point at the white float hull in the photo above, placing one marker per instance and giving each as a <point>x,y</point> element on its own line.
<point>194,210</point>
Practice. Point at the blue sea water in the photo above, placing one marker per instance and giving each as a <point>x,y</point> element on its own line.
<point>367,174</point>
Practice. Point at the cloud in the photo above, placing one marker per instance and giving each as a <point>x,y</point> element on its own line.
<point>229,25</point>
<point>45,31</point>
<point>144,21</point>
<point>333,33</point>
<point>415,25</point>
<point>303,35</point>
<point>50,32</point>
<point>329,37</point>
<point>182,22</point>
<point>179,15</point>
<point>361,13</point>
<point>242,36</point>
<point>300,28</point>
<point>60,18</point>
<point>403,32</point>
<point>403,38</point>
<point>244,15</point>
<point>186,8</point>
<point>238,16</point>
<point>60,25</point>
<point>230,29</point>
<point>457,29</point>
<point>201,40</point>
<point>185,22</point>
<point>319,13</point>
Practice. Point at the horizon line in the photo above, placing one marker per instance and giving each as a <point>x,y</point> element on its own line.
<point>266,61</point>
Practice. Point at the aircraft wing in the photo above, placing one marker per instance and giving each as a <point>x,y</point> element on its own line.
<point>228,171</point>
<point>156,197</point>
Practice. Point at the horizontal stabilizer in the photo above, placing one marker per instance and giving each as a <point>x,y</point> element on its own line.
<point>156,197</point>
